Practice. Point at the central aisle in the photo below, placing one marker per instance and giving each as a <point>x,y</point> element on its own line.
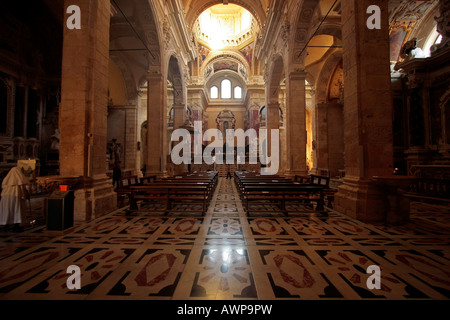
<point>226,255</point>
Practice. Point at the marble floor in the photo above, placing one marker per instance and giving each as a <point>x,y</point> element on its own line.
<point>226,255</point>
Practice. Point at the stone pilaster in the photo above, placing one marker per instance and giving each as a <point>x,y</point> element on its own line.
<point>329,138</point>
<point>367,111</point>
<point>296,123</point>
<point>321,141</point>
<point>179,110</point>
<point>131,138</point>
<point>272,123</point>
<point>83,114</point>
<point>157,126</point>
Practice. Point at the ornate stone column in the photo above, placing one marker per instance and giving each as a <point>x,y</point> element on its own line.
<point>296,123</point>
<point>272,123</point>
<point>83,114</point>
<point>179,122</point>
<point>310,140</point>
<point>336,145</point>
<point>131,138</point>
<point>321,139</point>
<point>156,126</point>
<point>179,109</point>
<point>329,138</point>
<point>367,111</point>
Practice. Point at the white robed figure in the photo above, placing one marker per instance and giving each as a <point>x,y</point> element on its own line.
<point>14,195</point>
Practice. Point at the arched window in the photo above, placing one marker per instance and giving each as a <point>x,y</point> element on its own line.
<point>214,92</point>
<point>226,89</point>
<point>237,92</point>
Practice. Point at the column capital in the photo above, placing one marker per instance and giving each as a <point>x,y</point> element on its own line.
<point>273,104</point>
<point>154,77</point>
<point>179,106</point>
<point>298,74</point>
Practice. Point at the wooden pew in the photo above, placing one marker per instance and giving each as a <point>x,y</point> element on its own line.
<point>187,189</point>
<point>147,179</point>
<point>278,191</point>
<point>168,194</point>
<point>181,182</point>
<point>262,183</point>
<point>321,181</point>
<point>280,195</point>
<point>124,191</point>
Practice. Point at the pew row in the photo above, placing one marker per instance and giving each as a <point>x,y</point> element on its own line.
<point>194,191</point>
<point>124,191</point>
<point>279,192</point>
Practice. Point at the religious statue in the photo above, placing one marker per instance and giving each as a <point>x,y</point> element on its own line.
<point>114,150</point>
<point>208,71</point>
<point>410,50</point>
<point>243,73</point>
<point>54,140</point>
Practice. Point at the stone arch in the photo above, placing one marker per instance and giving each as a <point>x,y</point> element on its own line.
<point>136,64</point>
<point>330,29</point>
<point>175,76</point>
<point>142,64</point>
<point>275,77</point>
<point>262,113</point>
<point>152,30</point>
<point>145,34</point>
<point>198,6</point>
<point>228,55</point>
<point>219,76</point>
<point>326,73</point>
<point>306,15</point>
<point>129,80</point>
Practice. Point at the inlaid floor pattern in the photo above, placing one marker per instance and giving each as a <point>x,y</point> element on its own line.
<point>226,255</point>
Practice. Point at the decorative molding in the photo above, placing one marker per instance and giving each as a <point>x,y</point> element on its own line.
<point>443,25</point>
<point>285,33</point>
<point>225,55</point>
<point>408,12</point>
<point>167,33</point>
